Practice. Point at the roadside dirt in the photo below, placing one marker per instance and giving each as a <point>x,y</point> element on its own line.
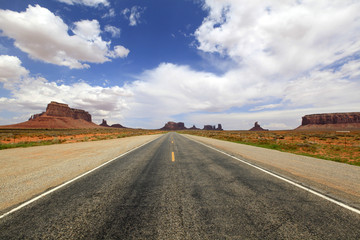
<point>338,180</point>
<point>27,172</point>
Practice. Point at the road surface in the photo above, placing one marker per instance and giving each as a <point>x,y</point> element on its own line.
<point>175,188</point>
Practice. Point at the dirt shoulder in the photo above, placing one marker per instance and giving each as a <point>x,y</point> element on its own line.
<point>27,172</point>
<point>338,180</point>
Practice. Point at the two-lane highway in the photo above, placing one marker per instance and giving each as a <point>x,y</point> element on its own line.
<point>175,188</point>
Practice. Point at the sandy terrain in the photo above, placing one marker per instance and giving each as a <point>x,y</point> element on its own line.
<point>339,180</point>
<point>26,172</point>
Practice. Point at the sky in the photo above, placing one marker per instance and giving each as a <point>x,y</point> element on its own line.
<point>143,63</point>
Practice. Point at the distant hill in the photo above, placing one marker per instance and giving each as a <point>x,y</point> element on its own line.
<point>105,124</point>
<point>57,115</point>
<point>331,121</point>
<point>173,126</point>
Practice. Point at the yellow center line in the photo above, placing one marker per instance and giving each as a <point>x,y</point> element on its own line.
<point>173,156</point>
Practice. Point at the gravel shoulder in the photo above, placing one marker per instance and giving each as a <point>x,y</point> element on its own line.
<point>27,172</point>
<point>337,180</point>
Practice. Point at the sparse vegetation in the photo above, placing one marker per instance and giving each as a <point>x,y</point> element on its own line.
<point>14,138</point>
<point>330,145</point>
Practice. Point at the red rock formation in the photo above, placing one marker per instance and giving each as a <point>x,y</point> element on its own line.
<point>58,115</point>
<point>330,121</point>
<point>258,128</point>
<point>331,118</point>
<point>209,127</point>
<point>194,128</point>
<point>117,125</point>
<point>173,126</point>
<point>63,110</point>
<point>104,123</point>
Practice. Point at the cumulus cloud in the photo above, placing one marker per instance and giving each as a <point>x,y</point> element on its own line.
<point>114,31</point>
<point>175,90</point>
<point>44,36</point>
<point>90,3</point>
<point>280,37</point>
<point>11,69</point>
<point>32,94</point>
<point>133,15</point>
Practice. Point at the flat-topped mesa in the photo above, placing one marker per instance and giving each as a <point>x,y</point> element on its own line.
<point>55,109</point>
<point>210,127</point>
<point>173,126</point>
<point>63,110</point>
<point>331,118</point>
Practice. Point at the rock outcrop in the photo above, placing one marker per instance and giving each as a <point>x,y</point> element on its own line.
<point>55,109</point>
<point>117,125</point>
<point>324,121</point>
<point>210,127</point>
<point>173,126</point>
<point>257,127</point>
<point>194,128</point>
<point>104,123</point>
<point>58,115</point>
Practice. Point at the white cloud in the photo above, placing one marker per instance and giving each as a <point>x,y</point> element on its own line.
<point>110,14</point>
<point>114,31</point>
<point>87,30</point>
<point>121,52</point>
<point>31,94</point>
<point>280,37</point>
<point>90,3</point>
<point>133,15</point>
<point>11,69</point>
<point>200,98</point>
<point>44,36</point>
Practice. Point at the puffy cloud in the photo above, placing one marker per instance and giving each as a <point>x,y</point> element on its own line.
<point>133,15</point>
<point>114,31</point>
<point>88,30</point>
<point>173,90</point>
<point>322,88</point>
<point>11,69</point>
<point>280,37</point>
<point>91,3</point>
<point>120,51</point>
<point>44,36</point>
<point>32,94</point>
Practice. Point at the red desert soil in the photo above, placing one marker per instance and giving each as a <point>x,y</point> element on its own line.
<point>54,122</point>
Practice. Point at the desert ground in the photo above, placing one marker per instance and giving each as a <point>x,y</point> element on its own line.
<point>339,146</point>
<point>27,172</point>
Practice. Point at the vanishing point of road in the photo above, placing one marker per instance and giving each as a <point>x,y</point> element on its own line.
<point>176,188</point>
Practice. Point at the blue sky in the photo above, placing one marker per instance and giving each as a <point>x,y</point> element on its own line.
<point>143,63</point>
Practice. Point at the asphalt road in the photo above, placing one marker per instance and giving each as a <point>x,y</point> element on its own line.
<point>194,193</point>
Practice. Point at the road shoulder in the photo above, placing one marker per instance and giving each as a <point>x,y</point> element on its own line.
<point>27,172</point>
<point>337,180</point>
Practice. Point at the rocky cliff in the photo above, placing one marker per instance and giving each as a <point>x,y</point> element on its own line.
<point>257,127</point>
<point>173,126</point>
<point>330,121</point>
<point>331,118</point>
<point>57,115</point>
<point>55,109</point>
<point>210,127</point>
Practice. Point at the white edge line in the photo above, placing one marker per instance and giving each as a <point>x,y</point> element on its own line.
<point>70,181</point>
<point>286,180</point>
